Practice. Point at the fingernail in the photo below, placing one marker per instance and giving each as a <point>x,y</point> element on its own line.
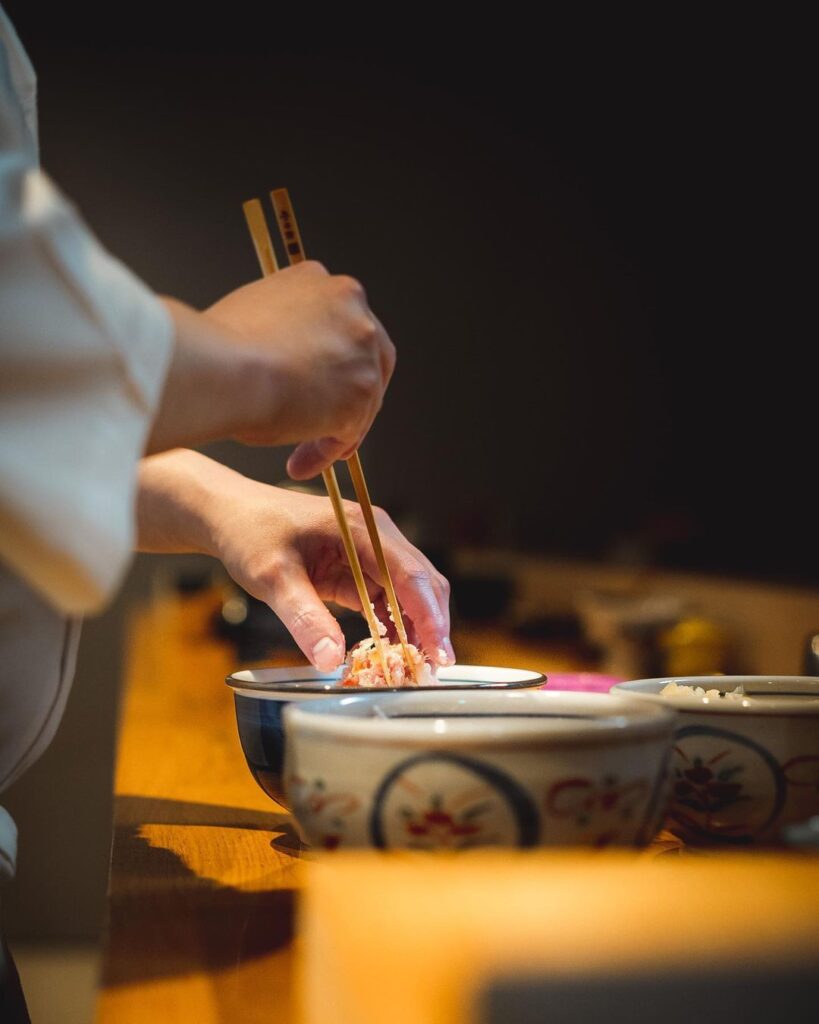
<point>446,655</point>
<point>327,655</point>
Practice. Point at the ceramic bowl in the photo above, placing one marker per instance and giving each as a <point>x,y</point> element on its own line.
<point>437,770</point>
<point>742,770</point>
<point>261,694</point>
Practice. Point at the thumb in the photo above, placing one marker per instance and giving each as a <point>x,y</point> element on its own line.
<point>308,620</point>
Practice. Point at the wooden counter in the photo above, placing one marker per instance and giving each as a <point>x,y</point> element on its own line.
<point>203,865</point>
<point>201,886</point>
<point>205,868</point>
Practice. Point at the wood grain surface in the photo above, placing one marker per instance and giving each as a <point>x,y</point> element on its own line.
<point>203,863</point>
<point>204,867</point>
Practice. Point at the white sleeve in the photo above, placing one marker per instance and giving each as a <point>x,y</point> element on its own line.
<point>84,349</point>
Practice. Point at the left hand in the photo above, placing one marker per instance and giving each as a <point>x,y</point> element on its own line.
<point>285,548</point>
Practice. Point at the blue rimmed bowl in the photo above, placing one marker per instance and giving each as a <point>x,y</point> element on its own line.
<point>430,770</point>
<point>744,768</point>
<point>260,695</point>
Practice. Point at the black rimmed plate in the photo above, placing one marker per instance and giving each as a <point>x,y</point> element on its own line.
<point>260,695</point>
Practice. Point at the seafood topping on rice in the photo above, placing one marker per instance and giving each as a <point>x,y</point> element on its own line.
<point>365,667</point>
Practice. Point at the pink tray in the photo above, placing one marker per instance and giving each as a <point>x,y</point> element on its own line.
<point>592,682</point>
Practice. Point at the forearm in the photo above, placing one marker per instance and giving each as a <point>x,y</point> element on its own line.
<point>178,495</point>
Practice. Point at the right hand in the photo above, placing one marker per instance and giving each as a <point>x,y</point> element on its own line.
<point>327,358</point>
<point>294,358</point>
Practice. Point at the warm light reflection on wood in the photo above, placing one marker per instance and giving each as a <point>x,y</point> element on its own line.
<point>205,870</point>
<point>203,863</point>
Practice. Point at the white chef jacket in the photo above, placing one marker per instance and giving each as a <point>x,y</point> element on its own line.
<point>84,349</point>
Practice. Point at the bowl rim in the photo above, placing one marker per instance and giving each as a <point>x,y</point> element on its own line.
<point>618,718</point>
<point>325,682</point>
<point>784,695</point>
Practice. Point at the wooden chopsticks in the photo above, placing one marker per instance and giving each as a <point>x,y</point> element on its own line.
<point>291,237</point>
<point>363,495</point>
<point>262,243</point>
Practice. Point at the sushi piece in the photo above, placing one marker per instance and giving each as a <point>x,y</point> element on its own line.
<point>365,668</point>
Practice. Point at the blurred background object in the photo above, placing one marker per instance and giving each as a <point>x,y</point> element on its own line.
<point>695,647</point>
<point>625,628</point>
<point>810,656</point>
<point>804,836</point>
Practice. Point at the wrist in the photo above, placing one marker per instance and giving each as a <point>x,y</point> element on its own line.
<point>216,499</point>
<point>182,501</point>
<point>255,378</point>
<point>213,383</point>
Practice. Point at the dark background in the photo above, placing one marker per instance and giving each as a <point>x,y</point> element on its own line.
<point>575,239</point>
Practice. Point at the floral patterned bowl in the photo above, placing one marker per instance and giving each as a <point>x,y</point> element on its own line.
<point>742,769</point>
<point>432,770</point>
<point>260,695</point>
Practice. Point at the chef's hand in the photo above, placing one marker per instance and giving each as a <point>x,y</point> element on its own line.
<point>294,358</point>
<point>284,548</point>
